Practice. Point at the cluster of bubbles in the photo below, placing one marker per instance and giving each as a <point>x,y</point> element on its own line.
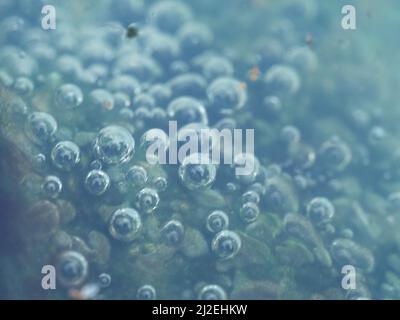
<point>87,99</point>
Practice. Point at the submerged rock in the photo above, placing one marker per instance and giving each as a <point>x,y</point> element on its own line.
<point>244,289</point>
<point>194,244</point>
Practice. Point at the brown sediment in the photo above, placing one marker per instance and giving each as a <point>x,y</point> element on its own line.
<point>254,74</point>
<point>243,85</point>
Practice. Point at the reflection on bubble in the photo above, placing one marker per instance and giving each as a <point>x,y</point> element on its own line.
<point>65,155</point>
<point>226,244</point>
<point>97,182</point>
<point>69,96</point>
<point>52,186</point>
<point>217,221</point>
<point>172,232</point>
<point>146,292</point>
<point>147,200</point>
<point>114,144</point>
<point>72,268</point>
<point>125,224</point>
<point>212,292</point>
<point>41,127</point>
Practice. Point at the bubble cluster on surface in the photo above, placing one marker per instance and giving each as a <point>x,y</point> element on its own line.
<point>82,106</point>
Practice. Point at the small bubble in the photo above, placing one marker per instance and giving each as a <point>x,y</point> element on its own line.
<point>72,268</point>
<point>212,292</point>
<point>69,96</point>
<point>104,280</point>
<point>217,221</point>
<point>226,244</point>
<point>249,212</point>
<point>114,145</point>
<point>41,127</point>
<point>52,186</point>
<point>320,210</point>
<point>125,224</point>
<point>172,232</point>
<point>195,173</point>
<point>146,292</point>
<point>136,176</point>
<point>160,184</point>
<point>147,200</point>
<point>65,155</point>
<point>97,182</point>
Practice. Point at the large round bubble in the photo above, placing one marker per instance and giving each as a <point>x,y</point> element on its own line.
<point>52,186</point>
<point>69,96</point>
<point>217,221</point>
<point>65,155</point>
<point>147,200</point>
<point>226,244</point>
<point>72,268</point>
<point>136,176</point>
<point>320,210</point>
<point>185,110</point>
<point>172,232</point>
<point>41,127</point>
<point>196,172</point>
<point>114,145</point>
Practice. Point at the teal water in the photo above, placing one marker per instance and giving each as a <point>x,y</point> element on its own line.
<point>317,217</point>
